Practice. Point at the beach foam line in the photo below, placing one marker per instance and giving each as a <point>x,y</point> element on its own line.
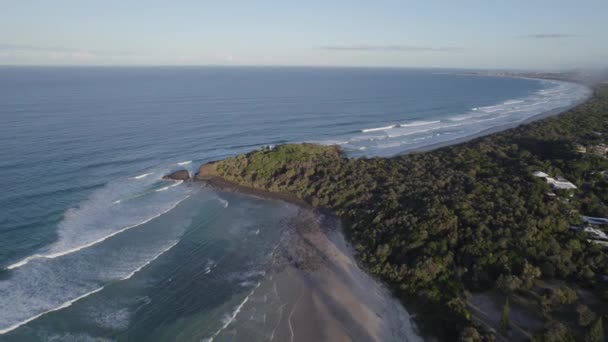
<point>184,162</point>
<point>420,123</point>
<point>462,117</point>
<point>143,176</point>
<point>128,276</point>
<point>378,129</point>
<point>169,187</point>
<point>492,109</point>
<point>231,318</point>
<point>62,306</point>
<point>87,245</point>
<point>509,102</point>
<point>72,301</point>
<point>224,202</point>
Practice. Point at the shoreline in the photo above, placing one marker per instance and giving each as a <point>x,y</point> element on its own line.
<point>221,183</point>
<point>504,127</point>
<point>314,290</point>
<point>225,185</point>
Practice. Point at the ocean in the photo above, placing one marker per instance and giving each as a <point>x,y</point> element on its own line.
<point>94,245</point>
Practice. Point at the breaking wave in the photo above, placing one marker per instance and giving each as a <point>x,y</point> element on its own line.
<point>366,130</point>
<point>419,123</point>
<point>230,318</point>
<point>106,214</point>
<point>69,302</point>
<point>143,176</point>
<point>169,186</point>
<point>391,139</point>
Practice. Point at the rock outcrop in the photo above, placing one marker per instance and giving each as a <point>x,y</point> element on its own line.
<point>182,175</point>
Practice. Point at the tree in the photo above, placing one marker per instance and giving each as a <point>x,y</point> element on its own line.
<point>529,273</point>
<point>596,333</point>
<point>508,283</point>
<point>556,332</point>
<point>470,334</point>
<point>585,316</point>
<point>504,317</point>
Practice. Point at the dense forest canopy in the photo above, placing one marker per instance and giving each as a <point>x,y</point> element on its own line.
<point>464,218</point>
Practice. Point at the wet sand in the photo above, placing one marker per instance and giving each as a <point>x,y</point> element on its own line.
<point>314,291</point>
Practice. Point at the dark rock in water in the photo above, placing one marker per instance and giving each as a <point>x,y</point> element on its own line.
<point>182,175</point>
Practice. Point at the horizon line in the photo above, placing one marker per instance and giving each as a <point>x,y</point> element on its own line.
<point>288,66</point>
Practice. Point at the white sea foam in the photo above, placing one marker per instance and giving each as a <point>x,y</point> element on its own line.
<point>406,133</point>
<point>210,265</point>
<point>491,109</point>
<point>419,123</point>
<point>223,201</point>
<point>510,102</point>
<point>169,186</point>
<point>92,243</point>
<point>461,117</point>
<point>367,130</point>
<point>185,162</point>
<point>230,318</point>
<point>68,303</point>
<point>62,306</point>
<point>143,176</point>
<point>128,276</point>
<point>410,135</point>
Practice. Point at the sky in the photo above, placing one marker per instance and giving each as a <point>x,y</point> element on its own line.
<point>490,34</point>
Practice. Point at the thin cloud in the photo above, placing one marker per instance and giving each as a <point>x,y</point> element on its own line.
<point>62,50</point>
<point>391,48</point>
<point>550,35</point>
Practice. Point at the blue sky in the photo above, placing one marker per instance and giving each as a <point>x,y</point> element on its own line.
<point>464,33</point>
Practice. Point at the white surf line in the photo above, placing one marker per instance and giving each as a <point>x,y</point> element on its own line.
<point>223,201</point>
<point>184,162</point>
<point>149,261</point>
<point>72,301</point>
<point>62,306</point>
<point>143,176</point>
<point>291,314</point>
<point>169,187</point>
<point>281,307</point>
<point>422,123</point>
<point>92,243</point>
<point>234,314</point>
<point>378,129</point>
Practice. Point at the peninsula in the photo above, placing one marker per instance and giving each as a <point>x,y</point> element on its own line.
<point>482,240</point>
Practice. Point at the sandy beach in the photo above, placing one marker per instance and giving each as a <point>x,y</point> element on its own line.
<point>315,291</point>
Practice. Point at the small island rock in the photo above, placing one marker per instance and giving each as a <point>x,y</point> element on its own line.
<point>182,175</point>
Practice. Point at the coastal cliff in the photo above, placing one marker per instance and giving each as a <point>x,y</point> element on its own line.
<point>449,228</point>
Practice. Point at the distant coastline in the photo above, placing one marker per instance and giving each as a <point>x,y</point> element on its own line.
<point>360,192</point>
<point>539,116</point>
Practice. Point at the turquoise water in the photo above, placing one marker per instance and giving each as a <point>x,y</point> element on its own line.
<point>94,244</point>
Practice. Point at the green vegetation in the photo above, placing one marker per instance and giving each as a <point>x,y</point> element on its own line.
<point>596,334</point>
<point>465,218</point>
<point>504,317</point>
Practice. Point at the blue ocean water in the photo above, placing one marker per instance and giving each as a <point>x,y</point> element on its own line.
<point>94,244</point>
